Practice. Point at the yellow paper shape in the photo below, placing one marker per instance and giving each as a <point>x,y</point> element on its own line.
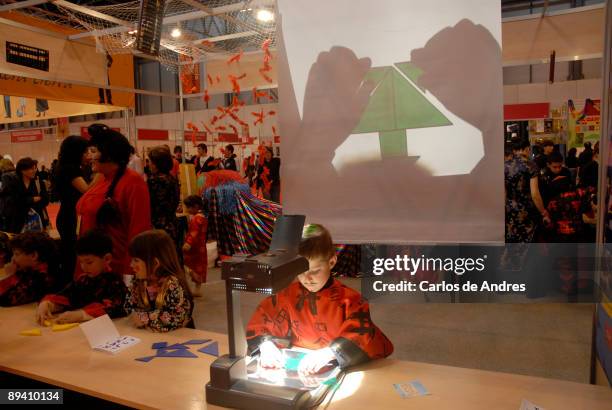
<point>47,323</point>
<point>31,332</point>
<point>66,326</point>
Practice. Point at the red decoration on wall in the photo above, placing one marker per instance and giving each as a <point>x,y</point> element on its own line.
<point>526,111</point>
<point>27,136</point>
<point>153,135</point>
<point>260,116</point>
<point>236,58</point>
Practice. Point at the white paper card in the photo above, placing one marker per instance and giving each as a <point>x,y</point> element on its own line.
<point>527,405</point>
<point>102,335</point>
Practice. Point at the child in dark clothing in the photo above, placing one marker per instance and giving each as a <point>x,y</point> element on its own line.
<point>98,291</point>
<point>31,272</point>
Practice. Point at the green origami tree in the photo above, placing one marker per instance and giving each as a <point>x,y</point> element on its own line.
<point>396,106</point>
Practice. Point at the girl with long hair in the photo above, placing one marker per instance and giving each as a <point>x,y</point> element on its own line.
<point>159,298</point>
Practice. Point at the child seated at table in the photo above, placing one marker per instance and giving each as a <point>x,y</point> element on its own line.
<point>316,312</point>
<point>31,272</point>
<point>159,298</point>
<point>194,250</point>
<point>98,291</point>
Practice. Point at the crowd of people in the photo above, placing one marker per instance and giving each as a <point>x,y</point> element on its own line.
<point>121,251</point>
<point>550,200</point>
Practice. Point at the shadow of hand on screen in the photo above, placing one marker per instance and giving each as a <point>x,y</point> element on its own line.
<point>458,67</point>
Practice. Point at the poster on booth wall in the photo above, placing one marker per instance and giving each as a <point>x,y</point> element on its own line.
<point>390,115</point>
<point>583,122</point>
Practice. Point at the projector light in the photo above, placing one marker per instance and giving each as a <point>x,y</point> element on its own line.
<point>265,15</point>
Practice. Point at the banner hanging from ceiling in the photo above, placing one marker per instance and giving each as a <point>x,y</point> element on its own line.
<point>38,65</point>
<point>391,117</point>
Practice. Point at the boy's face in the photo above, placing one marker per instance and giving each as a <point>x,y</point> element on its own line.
<point>193,210</point>
<point>555,167</point>
<point>93,265</point>
<point>24,260</point>
<point>318,273</point>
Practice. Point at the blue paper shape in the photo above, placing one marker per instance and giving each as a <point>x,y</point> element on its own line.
<point>176,353</point>
<point>292,363</point>
<point>159,345</point>
<point>177,346</point>
<point>145,359</point>
<point>196,341</point>
<point>212,349</point>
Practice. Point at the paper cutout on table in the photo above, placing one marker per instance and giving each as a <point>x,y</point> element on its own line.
<point>527,405</point>
<point>196,341</point>
<point>159,345</point>
<point>102,335</point>
<point>176,353</point>
<point>31,332</point>
<point>177,346</point>
<point>62,327</point>
<point>292,363</point>
<point>47,323</point>
<point>212,349</point>
<point>145,359</point>
<point>410,389</point>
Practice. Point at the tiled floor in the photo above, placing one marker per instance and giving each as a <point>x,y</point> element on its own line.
<point>547,340</point>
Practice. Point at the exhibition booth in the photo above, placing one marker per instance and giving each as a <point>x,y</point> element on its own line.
<point>390,121</point>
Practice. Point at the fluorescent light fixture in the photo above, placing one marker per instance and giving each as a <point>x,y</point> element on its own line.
<point>176,32</point>
<point>265,15</point>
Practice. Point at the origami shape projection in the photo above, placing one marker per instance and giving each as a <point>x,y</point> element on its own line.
<point>396,105</point>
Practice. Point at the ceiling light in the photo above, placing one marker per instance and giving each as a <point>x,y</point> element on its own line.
<point>132,31</point>
<point>176,32</point>
<point>265,15</point>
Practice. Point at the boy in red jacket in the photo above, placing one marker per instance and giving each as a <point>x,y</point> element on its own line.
<point>316,312</point>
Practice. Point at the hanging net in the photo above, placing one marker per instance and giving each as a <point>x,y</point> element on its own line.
<point>207,28</point>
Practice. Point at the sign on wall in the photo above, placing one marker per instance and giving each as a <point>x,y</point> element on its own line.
<point>27,135</point>
<point>391,118</point>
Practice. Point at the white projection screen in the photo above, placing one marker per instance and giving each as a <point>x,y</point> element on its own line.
<point>391,119</point>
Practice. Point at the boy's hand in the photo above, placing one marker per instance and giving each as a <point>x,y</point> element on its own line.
<point>137,319</point>
<point>270,357</point>
<point>186,247</point>
<point>44,312</point>
<point>71,316</point>
<point>315,361</point>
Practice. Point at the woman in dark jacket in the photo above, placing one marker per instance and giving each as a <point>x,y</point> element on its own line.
<point>19,192</point>
<point>164,192</point>
<point>269,176</point>
<point>70,183</point>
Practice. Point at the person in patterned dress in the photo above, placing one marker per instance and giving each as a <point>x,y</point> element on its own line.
<point>164,192</point>
<point>523,199</point>
<point>194,249</point>
<point>159,298</point>
<point>97,292</point>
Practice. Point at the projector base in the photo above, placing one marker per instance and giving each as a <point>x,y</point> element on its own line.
<point>245,394</point>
